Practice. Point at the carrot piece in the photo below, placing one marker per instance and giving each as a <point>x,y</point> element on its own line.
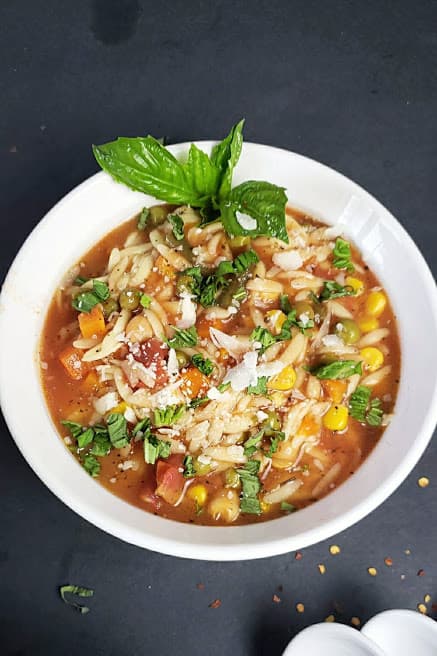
<point>309,426</point>
<point>335,389</point>
<point>194,382</point>
<point>164,268</point>
<point>92,323</point>
<point>203,326</point>
<point>90,383</point>
<point>71,359</point>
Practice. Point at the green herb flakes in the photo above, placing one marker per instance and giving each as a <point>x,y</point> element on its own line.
<point>177,226</point>
<point>168,416</point>
<point>183,338</point>
<point>338,370</point>
<point>79,591</point>
<point>117,430</point>
<point>204,365</point>
<point>363,409</point>
<point>342,255</point>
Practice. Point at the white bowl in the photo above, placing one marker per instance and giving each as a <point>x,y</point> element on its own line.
<point>98,205</point>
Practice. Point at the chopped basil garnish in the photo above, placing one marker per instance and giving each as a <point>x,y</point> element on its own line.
<point>204,365</point>
<point>155,448</point>
<point>85,301</point>
<point>75,590</point>
<point>260,387</point>
<point>363,409</point>
<point>168,416</point>
<point>80,280</point>
<point>143,218</point>
<point>264,337</point>
<point>189,471</point>
<point>117,430</point>
<point>85,438</point>
<point>250,486</point>
<point>338,370</point>
<point>177,225</point>
<point>91,465</point>
<point>145,300</point>
<point>332,289</point>
<point>74,428</point>
<point>142,427</point>
<point>288,507</point>
<point>342,255</point>
<point>183,338</point>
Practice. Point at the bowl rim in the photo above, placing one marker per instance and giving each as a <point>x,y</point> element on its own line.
<point>196,547</point>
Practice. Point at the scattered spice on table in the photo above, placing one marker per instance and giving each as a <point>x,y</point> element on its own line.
<point>422,608</point>
<point>330,618</point>
<point>388,562</point>
<point>276,599</point>
<point>298,555</point>
<point>407,552</point>
<point>421,572</point>
<point>300,607</point>
<point>427,598</point>
<point>78,591</point>
<point>423,481</point>
<point>200,586</point>
<point>334,549</point>
<point>355,621</point>
<point>372,571</point>
<point>215,604</point>
<point>322,568</point>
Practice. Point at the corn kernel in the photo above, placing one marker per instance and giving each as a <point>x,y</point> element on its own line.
<point>120,408</point>
<point>284,380</point>
<point>265,507</point>
<point>375,303</point>
<point>356,284</point>
<point>336,418</point>
<point>198,494</point>
<point>373,358</point>
<point>276,318</point>
<point>367,324</point>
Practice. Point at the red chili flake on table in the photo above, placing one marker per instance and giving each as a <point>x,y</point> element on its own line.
<point>298,555</point>
<point>276,599</point>
<point>388,562</point>
<point>200,586</point>
<point>215,604</point>
<point>421,572</point>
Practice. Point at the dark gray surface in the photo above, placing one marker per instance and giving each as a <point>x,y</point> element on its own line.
<point>350,84</point>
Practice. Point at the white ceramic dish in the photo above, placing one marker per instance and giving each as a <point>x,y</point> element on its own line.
<point>97,206</point>
<point>391,633</point>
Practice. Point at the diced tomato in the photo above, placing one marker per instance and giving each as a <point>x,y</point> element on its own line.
<point>203,326</point>
<point>147,491</point>
<point>154,354</point>
<point>170,479</point>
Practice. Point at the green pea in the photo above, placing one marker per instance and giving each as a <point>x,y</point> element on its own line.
<point>272,423</point>
<point>348,331</point>
<point>201,468</point>
<point>182,359</point>
<point>232,479</point>
<point>157,215</point>
<point>303,307</point>
<point>130,299</point>
<point>110,306</point>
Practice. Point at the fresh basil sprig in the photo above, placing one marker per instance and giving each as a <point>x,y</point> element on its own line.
<point>203,181</point>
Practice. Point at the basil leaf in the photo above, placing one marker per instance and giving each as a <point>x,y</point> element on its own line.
<point>74,428</point>
<point>288,507</point>
<point>85,301</point>
<point>203,364</point>
<point>101,445</point>
<point>189,471</point>
<point>145,300</point>
<point>168,416</point>
<point>117,430</point>
<point>85,438</point>
<point>80,280</point>
<point>202,173</point>
<point>91,465</point>
<point>155,448</point>
<point>101,290</point>
<point>194,403</point>
<point>285,303</point>
<point>332,289</point>
<point>375,413</point>
<point>249,482</point>
<point>143,164</point>
<point>177,225</point>
<point>250,505</point>
<point>143,427</point>
<point>342,255</point>
<point>224,157</point>
<point>183,338</point>
<point>239,295</point>
<point>75,590</point>
<point>252,444</point>
<point>358,403</point>
<point>263,336</point>
<point>143,218</point>
<point>262,201</point>
<point>244,261</point>
<point>260,387</point>
<point>338,370</point>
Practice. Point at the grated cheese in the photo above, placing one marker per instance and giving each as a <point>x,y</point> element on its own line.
<point>288,260</point>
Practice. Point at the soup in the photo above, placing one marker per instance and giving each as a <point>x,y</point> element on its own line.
<point>220,380</point>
